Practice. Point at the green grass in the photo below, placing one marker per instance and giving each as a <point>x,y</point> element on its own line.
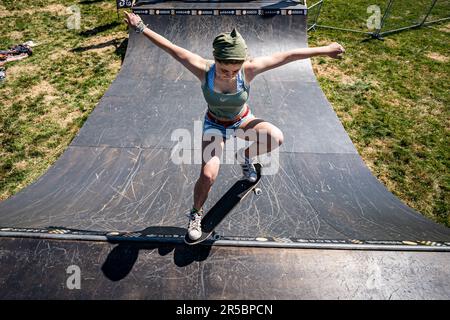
<point>48,96</point>
<point>392,96</point>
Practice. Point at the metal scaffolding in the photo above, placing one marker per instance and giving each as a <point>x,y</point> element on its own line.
<point>379,32</point>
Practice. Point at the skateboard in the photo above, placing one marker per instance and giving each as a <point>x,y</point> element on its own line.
<point>225,205</point>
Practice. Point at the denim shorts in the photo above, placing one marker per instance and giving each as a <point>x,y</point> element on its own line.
<point>210,127</point>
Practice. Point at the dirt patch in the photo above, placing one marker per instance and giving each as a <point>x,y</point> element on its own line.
<point>433,106</point>
<point>22,165</point>
<point>346,117</point>
<point>437,57</point>
<point>102,44</point>
<point>332,72</point>
<point>391,43</point>
<point>4,12</point>
<point>372,153</point>
<point>445,28</point>
<point>15,35</point>
<point>58,115</point>
<point>356,109</point>
<point>115,66</point>
<point>42,88</point>
<point>323,43</point>
<point>395,101</point>
<point>6,92</point>
<point>422,108</point>
<point>59,54</point>
<point>20,69</point>
<point>70,118</point>
<point>57,9</point>
<point>108,5</point>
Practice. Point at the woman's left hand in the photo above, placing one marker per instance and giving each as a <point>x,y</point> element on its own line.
<point>132,19</point>
<point>335,50</point>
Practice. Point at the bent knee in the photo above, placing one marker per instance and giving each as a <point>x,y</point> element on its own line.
<point>277,137</point>
<point>208,175</point>
<point>280,138</point>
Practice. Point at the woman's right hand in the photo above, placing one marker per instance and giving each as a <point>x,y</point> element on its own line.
<point>335,50</point>
<point>132,19</point>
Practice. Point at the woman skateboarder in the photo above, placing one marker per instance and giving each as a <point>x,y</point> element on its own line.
<point>225,82</point>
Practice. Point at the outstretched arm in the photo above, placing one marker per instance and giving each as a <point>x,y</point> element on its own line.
<point>262,64</point>
<point>191,61</point>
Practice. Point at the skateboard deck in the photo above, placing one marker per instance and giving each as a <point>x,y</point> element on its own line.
<point>225,205</point>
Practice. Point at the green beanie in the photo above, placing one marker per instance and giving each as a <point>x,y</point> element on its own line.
<point>230,46</point>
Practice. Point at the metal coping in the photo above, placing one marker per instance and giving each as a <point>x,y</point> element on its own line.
<point>57,233</point>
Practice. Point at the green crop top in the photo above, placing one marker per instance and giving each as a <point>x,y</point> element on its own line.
<point>225,105</point>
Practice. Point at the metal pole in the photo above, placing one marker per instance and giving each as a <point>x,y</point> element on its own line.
<point>438,20</point>
<point>318,12</point>
<point>343,29</point>
<point>398,30</point>
<point>428,13</point>
<point>418,25</point>
<point>376,34</point>
<point>314,24</point>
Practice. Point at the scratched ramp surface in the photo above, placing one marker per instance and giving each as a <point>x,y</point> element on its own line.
<point>118,175</point>
<point>131,271</point>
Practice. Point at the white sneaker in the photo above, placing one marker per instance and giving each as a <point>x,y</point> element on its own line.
<point>249,171</point>
<point>194,227</point>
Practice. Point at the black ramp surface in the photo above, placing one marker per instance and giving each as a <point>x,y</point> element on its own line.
<point>201,272</point>
<point>118,175</point>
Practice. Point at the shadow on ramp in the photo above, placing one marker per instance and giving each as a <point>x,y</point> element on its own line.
<point>121,260</point>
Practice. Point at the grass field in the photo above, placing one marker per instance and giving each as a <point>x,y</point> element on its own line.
<point>392,96</point>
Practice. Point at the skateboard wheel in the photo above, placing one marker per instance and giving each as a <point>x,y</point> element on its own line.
<point>257,191</point>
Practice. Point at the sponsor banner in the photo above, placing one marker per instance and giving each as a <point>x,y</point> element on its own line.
<point>141,11</point>
<point>227,12</point>
<point>183,12</point>
<point>221,12</point>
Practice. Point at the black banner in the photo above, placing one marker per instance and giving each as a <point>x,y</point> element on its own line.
<point>124,4</point>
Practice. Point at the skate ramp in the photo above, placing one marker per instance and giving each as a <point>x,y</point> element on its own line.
<point>116,182</point>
